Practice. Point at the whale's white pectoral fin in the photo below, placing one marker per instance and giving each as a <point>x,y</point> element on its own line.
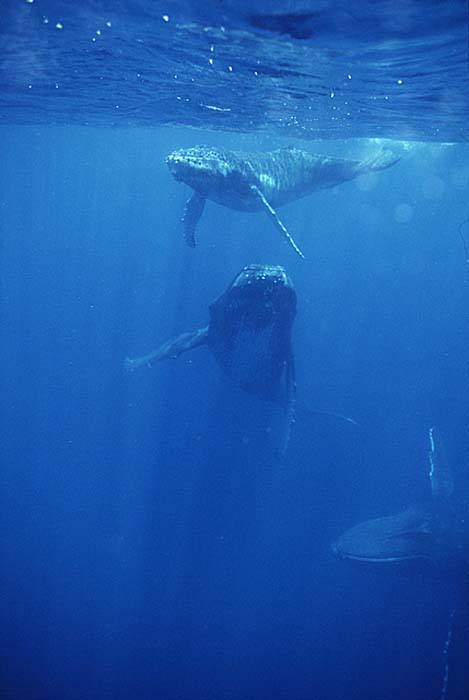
<point>169,350</point>
<point>441,476</point>
<point>275,218</point>
<point>192,212</point>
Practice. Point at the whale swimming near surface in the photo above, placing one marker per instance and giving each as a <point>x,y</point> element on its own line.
<point>261,181</point>
<point>249,334</point>
<point>429,538</point>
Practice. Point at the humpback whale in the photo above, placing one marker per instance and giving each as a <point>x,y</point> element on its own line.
<point>260,181</point>
<point>428,538</point>
<point>249,334</point>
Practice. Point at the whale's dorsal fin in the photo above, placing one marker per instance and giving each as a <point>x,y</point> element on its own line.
<point>192,212</point>
<point>275,218</point>
<point>171,349</point>
<point>441,477</point>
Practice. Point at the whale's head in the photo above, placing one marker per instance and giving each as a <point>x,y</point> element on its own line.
<point>262,295</point>
<point>405,541</point>
<point>203,168</point>
<point>250,330</point>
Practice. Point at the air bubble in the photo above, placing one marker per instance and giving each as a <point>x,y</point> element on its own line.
<point>403,213</point>
<point>433,187</point>
<point>460,178</point>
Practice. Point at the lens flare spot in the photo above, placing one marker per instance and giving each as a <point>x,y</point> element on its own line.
<point>403,213</point>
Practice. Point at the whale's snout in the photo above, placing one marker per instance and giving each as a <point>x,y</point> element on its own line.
<point>201,167</point>
<point>267,291</point>
<point>188,167</point>
<point>176,164</point>
<point>265,275</point>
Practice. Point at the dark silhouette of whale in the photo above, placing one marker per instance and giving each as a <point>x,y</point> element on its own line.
<point>428,538</point>
<point>249,334</point>
<point>260,181</point>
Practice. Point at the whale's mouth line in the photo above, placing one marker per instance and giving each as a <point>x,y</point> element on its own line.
<point>377,559</point>
<point>381,560</point>
<point>175,171</point>
<point>173,162</point>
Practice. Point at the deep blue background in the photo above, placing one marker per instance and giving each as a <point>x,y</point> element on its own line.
<point>151,545</point>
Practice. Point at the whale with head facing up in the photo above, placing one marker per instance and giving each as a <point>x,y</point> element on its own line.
<point>249,334</point>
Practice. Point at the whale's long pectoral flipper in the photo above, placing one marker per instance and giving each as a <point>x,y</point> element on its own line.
<point>275,218</point>
<point>441,476</point>
<point>171,349</point>
<point>192,212</point>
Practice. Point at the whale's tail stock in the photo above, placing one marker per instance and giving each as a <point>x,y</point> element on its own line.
<point>379,161</point>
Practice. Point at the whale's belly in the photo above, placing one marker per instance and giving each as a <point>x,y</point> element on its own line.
<point>277,184</point>
<point>283,176</point>
<point>239,200</point>
<point>252,357</point>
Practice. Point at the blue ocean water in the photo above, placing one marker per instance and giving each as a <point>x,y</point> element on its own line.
<point>300,68</point>
<point>153,546</point>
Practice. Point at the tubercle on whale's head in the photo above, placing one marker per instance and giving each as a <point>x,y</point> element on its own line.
<point>265,293</point>
<point>203,168</point>
<point>264,275</point>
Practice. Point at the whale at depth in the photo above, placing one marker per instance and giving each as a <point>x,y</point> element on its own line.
<point>249,333</point>
<point>261,181</point>
<point>426,538</point>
